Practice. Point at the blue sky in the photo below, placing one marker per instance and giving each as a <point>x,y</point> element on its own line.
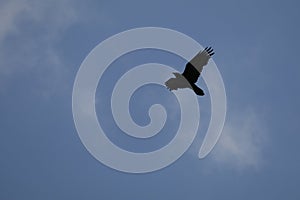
<point>42,44</point>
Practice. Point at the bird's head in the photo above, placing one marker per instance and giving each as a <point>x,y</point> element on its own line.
<point>177,75</point>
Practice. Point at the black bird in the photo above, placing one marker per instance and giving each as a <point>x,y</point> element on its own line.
<point>191,73</point>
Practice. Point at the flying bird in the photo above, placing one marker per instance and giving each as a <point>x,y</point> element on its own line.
<point>191,73</point>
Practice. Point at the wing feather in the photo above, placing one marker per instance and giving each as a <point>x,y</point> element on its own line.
<point>191,73</point>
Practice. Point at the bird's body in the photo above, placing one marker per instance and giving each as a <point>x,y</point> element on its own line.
<point>191,73</point>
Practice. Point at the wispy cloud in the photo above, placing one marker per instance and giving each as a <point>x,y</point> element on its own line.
<point>9,12</point>
<point>242,142</point>
<point>29,33</point>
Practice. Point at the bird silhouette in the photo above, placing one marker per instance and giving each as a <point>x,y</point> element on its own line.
<point>191,73</point>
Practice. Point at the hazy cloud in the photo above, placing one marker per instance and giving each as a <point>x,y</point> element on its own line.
<point>29,33</point>
<point>242,142</point>
<point>9,12</point>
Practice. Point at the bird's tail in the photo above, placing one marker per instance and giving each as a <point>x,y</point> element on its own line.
<point>197,90</point>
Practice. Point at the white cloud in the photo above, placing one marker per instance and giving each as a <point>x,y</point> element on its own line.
<point>242,142</point>
<point>29,33</point>
<point>54,15</point>
<point>9,11</point>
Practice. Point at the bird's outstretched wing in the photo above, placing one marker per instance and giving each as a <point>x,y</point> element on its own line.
<point>201,59</point>
<point>194,68</point>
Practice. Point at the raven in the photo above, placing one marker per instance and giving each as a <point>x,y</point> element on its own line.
<point>191,73</point>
